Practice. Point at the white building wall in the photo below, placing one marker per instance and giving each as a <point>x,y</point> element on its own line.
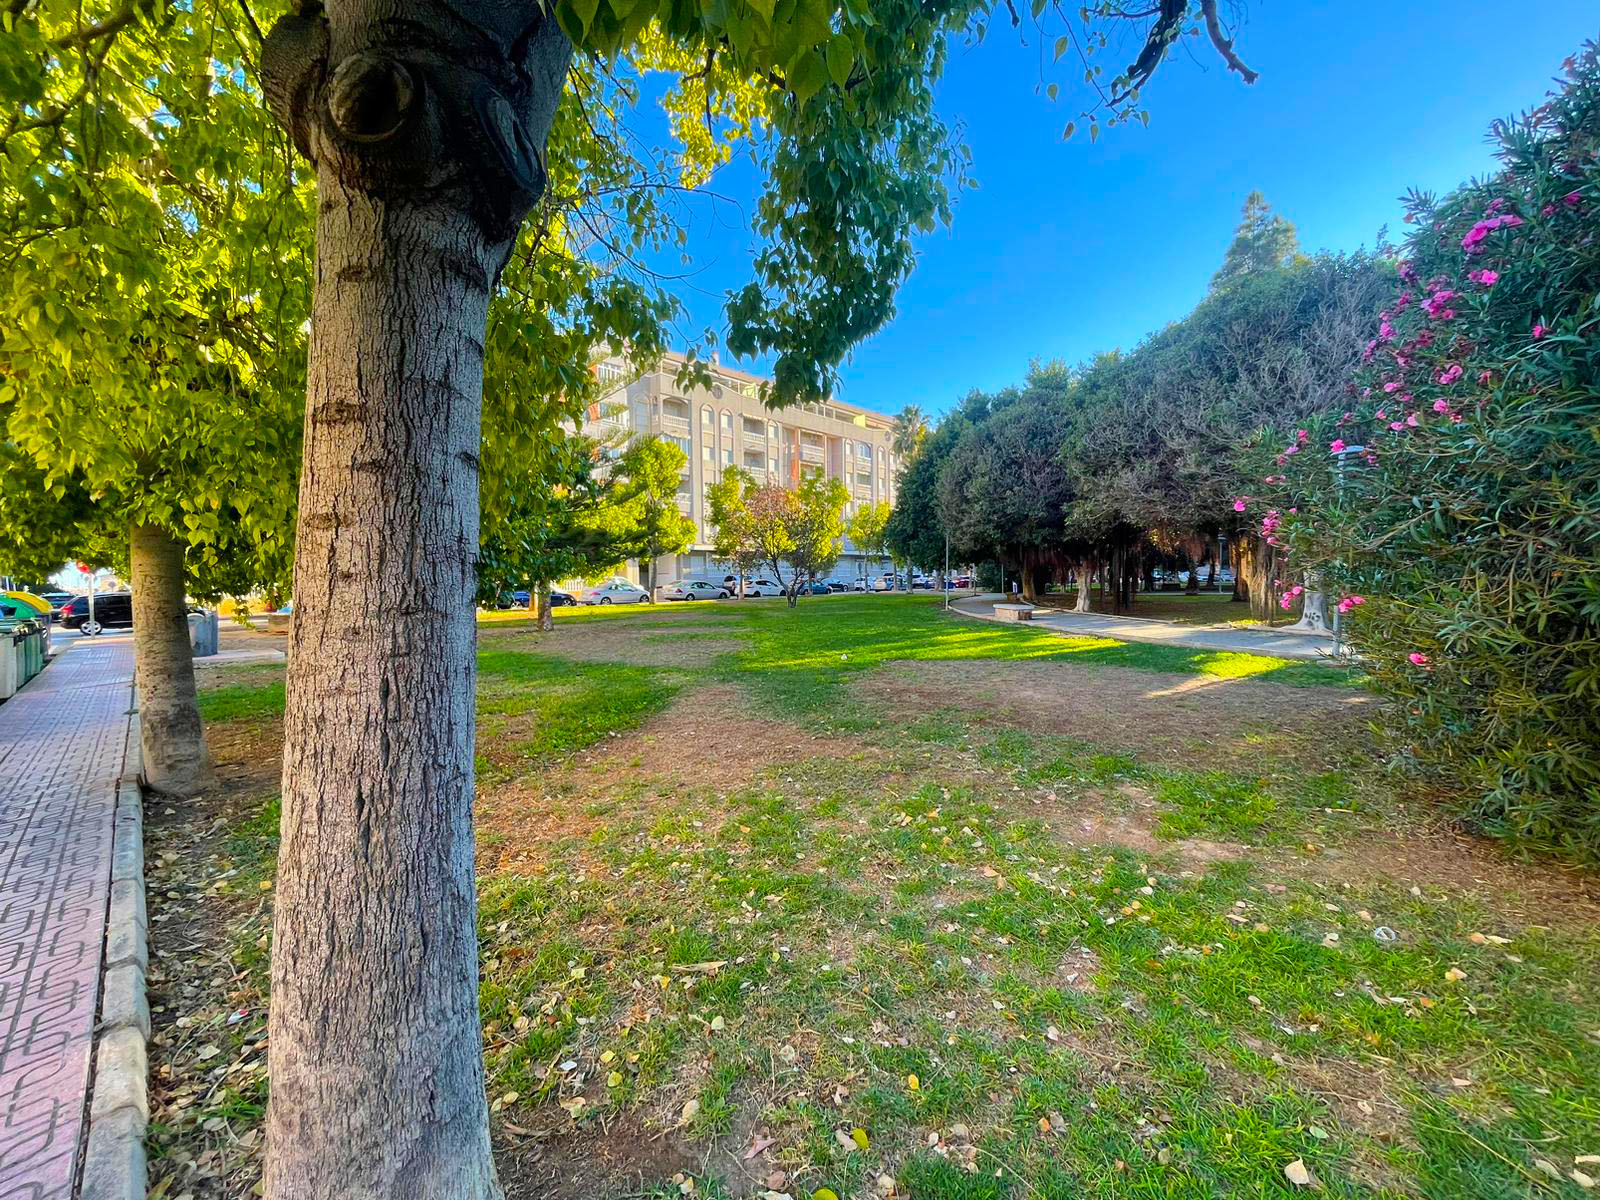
<point>726,424</point>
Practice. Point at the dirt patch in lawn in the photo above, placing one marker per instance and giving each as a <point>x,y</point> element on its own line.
<point>622,641</point>
<point>209,917</point>
<point>1161,717</point>
<point>707,742</point>
<point>1536,891</point>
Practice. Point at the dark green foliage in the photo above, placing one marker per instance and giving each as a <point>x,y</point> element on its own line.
<point>1469,526</point>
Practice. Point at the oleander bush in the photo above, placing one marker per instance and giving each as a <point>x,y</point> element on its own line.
<point>1454,509</point>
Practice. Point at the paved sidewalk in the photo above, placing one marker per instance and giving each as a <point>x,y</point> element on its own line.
<point>1267,643</point>
<point>63,742</point>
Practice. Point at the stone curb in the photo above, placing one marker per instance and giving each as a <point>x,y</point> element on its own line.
<point>114,1166</point>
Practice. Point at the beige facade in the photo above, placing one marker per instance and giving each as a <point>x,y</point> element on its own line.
<point>726,425</point>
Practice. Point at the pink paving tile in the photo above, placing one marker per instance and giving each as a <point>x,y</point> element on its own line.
<point>63,740</point>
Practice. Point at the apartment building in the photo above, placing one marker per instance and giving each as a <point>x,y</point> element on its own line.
<point>726,425</point>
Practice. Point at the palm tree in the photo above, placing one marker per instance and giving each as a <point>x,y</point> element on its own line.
<point>910,427</point>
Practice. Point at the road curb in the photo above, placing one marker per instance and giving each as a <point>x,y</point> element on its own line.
<point>114,1166</point>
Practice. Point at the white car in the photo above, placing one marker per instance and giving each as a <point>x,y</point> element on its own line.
<point>884,583</point>
<point>761,587</point>
<point>693,589</point>
<point>618,591</point>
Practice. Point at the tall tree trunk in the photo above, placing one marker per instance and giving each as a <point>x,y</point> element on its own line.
<point>1241,586</point>
<point>428,153</point>
<point>1085,586</point>
<point>547,621</point>
<point>1027,577</point>
<point>171,736</point>
<point>1255,569</point>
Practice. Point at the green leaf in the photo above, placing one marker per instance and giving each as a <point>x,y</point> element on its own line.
<point>841,57</point>
<point>807,75</point>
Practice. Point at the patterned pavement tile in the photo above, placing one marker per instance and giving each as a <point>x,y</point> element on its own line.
<point>63,741</point>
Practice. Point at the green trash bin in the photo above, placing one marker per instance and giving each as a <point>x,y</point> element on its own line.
<point>10,659</point>
<point>35,646</point>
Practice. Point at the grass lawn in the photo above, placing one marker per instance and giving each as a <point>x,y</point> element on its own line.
<point>867,898</point>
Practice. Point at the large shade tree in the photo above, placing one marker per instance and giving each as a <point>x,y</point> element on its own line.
<point>154,278</point>
<point>432,133</point>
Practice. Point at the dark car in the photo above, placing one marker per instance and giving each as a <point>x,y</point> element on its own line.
<point>818,588</point>
<point>112,610</point>
<point>557,599</point>
<point>57,601</point>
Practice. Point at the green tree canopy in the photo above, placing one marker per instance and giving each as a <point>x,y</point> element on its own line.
<point>1263,241</point>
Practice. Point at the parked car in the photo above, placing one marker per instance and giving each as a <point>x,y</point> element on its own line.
<point>838,585</point>
<point>112,610</point>
<point>762,587</point>
<point>618,591</point>
<point>562,599</point>
<point>922,581</point>
<point>883,583</point>
<point>57,601</point>
<point>817,588</point>
<point>693,589</point>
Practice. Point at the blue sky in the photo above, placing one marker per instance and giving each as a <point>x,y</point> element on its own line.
<point>1067,248</point>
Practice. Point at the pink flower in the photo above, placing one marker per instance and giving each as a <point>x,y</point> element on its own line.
<point>1487,278</point>
<point>1385,330</point>
<point>1572,199</point>
<point>1549,210</point>
<point>1484,377</point>
<point>1441,405</point>
<point>1391,386</point>
<point>1382,414</point>
<point>1411,420</point>
<point>1291,450</point>
<point>1300,435</point>
<point>1449,374</point>
<point>1336,446</point>
<point>1538,332</point>
<point>1418,660</point>
<point>1239,505</point>
<point>1350,602</point>
<point>1437,305</point>
<point>1396,426</point>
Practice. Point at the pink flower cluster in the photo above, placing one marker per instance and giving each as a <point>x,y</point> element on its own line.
<point>1472,243</point>
<point>1438,307</point>
<point>1448,374</point>
<point>1418,659</point>
<point>1286,601</point>
<point>1350,602</point>
<point>1486,278</point>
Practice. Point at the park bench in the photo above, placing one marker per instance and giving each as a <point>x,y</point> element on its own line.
<point>1014,612</point>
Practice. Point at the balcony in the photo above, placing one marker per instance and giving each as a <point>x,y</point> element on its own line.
<point>811,454</point>
<point>755,441</point>
<point>685,503</point>
<point>674,426</point>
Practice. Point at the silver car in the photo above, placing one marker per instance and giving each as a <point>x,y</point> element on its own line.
<point>618,591</point>
<point>693,589</point>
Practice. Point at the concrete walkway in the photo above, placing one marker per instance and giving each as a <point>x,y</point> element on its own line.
<point>1269,643</point>
<point>63,743</point>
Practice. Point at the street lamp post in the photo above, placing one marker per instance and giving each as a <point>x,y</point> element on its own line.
<point>1338,488</point>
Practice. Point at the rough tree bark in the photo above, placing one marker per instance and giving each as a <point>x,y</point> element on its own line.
<point>547,620</point>
<point>171,735</point>
<point>1085,586</point>
<point>427,136</point>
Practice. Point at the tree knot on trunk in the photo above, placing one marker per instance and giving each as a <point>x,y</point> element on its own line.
<point>407,116</point>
